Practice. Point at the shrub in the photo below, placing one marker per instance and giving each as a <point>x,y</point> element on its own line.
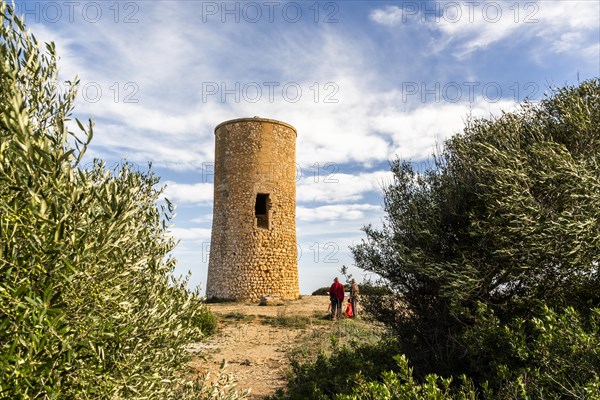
<point>558,357</point>
<point>401,385</point>
<point>553,356</point>
<point>505,221</point>
<point>338,373</point>
<point>207,322</point>
<point>89,308</point>
<point>321,291</point>
<point>558,353</point>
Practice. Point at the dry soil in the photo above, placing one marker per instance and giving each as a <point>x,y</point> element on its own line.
<point>257,352</point>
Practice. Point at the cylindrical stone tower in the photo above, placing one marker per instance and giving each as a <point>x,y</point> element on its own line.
<point>253,244</point>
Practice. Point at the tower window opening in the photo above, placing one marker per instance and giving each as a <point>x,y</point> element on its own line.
<point>261,210</point>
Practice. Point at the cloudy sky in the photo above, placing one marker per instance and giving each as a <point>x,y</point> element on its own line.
<point>362,82</point>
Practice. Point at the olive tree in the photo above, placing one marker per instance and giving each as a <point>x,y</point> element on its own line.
<point>502,230</point>
<point>88,305</point>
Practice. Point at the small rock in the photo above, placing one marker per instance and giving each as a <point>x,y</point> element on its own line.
<point>270,301</point>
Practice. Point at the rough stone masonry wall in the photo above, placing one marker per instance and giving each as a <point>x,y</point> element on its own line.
<point>253,156</point>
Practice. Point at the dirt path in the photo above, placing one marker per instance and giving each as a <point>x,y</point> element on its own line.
<point>254,341</point>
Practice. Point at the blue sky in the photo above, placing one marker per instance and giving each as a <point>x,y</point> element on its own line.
<point>362,82</point>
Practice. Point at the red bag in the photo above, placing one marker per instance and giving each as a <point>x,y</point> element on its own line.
<point>349,310</point>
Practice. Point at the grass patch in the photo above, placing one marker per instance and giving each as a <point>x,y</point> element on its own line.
<point>235,317</point>
<point>289,321</point>
<point>329,335</point>
<point>319,315</point>
<point>326,357</point>
<point>293,321</point>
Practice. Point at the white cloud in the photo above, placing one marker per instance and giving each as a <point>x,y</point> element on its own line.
<point>568,42</point>
<point>335,212</point>
<point>202,219</point>
<point>194,193</point>
<point>340,187</point>
<point>197,238</point>
<point>414,133</point>
<point>191,234</point>
<point>568,23</point>
<point>340,112</point>
<point>466,27</point>
<point>389,16</point>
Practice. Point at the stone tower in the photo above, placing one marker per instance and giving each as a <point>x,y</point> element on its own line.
<point>253,244</point>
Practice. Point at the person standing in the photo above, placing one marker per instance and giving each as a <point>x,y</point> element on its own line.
<point>336,295</point>
<point>354,293</point>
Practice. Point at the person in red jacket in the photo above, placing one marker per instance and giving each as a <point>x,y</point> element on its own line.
<point>336,295</point>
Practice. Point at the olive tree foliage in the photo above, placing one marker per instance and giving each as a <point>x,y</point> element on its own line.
<point>504,229</point>
<point>88,305</point>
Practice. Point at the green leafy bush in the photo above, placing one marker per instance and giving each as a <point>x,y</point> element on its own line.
<point>207,322</point>
<point>88,305</point>
<point>401,385</point>
<point>556,356</point>
<point>505,222</point>
<point>338,373</point>
<point>322,291</point>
